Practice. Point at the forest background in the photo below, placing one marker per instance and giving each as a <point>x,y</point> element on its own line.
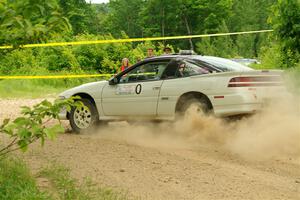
<point>39,21</point>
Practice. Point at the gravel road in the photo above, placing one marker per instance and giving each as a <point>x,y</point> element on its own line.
<point>197,158</point>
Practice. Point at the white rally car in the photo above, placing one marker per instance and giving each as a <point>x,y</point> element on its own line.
<point>159,88</point>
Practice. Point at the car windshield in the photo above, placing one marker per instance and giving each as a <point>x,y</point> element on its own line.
<point>225,64</point>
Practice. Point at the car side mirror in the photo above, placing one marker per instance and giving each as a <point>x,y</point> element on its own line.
<point>113,81</point>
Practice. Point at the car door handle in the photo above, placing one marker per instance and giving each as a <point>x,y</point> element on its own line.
<point>156,88</point>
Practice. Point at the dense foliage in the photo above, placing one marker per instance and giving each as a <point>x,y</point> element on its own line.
<point>37,21</point>
<point>286,22</point>
<point>30,21</point>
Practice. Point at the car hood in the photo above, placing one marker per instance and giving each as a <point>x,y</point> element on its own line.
<point>89,88</point>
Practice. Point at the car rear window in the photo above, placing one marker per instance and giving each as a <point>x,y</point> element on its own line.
<point>225,64</point>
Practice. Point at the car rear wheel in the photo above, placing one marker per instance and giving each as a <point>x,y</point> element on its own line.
<point>194,105</point>
<point>83,118</point>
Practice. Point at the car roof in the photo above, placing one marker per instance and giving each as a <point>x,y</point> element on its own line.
<point>172,56</point>
<point>211,60</point>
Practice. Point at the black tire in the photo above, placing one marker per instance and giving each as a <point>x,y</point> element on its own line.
<point>85,118</point>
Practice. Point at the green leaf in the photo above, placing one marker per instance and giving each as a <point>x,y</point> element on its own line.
<point>68,108</point>
<point>36,129</point>
<point>9,129</point>
<point>24,133</point>
<point>23,144</point>
<point>53,131</point>
<point>25,110</point>
<point>21,121</point>
<point>49,134</point>
<point>42,140</point>
<point>5,122</point>
<point>46,103</point>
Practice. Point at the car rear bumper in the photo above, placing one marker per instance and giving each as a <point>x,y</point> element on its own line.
<point>238,109</point>
<point>248,101</point>
<point>236,103</point>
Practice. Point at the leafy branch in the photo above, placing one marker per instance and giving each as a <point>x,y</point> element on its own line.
<point>33,124</point>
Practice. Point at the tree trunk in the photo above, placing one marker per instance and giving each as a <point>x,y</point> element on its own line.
<point>163,23</point>
<point>189,31</point>
<point>128,26</point>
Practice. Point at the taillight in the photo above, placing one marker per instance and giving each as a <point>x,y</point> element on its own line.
<point>241,79</point>
<point>255,81</point>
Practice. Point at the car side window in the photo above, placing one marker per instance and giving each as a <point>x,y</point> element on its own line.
<point>186,69</point>
<point>171,69</point>
<point>147,72</point>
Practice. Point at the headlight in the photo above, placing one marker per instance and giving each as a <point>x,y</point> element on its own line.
<point>61,97</point>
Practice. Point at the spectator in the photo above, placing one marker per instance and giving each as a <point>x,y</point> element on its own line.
<point>150,52</point>
<point>125,64</point>
<point>138,59</point>
<point>181,70</point>
<point>167,51</point>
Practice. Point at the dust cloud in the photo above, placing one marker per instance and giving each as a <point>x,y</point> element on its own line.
<point>189,132</point>
<point>272,133</point>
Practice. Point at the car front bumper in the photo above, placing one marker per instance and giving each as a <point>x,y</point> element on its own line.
<point>63,114</point>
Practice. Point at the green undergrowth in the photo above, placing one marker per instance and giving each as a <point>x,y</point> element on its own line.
<point>68,188</point>
<point>17,183</point>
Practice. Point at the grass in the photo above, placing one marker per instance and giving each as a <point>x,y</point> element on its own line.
<point>68,188</point>
<point>17,183</point>
<point>38,88</point>
<point>26,89</point>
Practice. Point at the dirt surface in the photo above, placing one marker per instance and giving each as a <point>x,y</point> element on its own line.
<point>196,158</point>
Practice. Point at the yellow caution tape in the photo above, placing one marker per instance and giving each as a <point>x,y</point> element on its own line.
<point>57,76</point>
<point>6,47</point>
<point>53,44</point>
<point>67,76</point>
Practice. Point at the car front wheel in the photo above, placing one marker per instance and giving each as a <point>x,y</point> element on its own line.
<point>83,118</point>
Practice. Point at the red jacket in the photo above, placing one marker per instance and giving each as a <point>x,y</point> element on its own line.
<point>123,68</point>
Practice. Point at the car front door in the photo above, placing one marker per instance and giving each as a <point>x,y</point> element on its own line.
<point>136,92</point>
<point>177,81</point>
